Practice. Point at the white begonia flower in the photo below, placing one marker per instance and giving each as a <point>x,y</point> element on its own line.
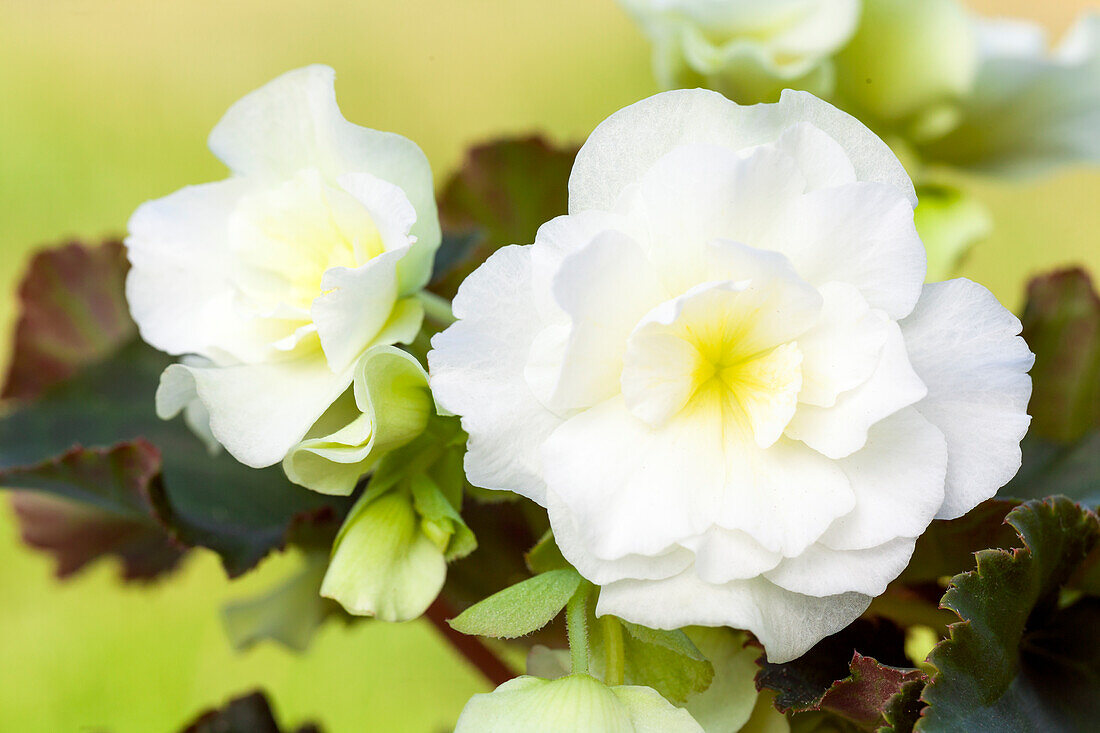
<point>577,703</point>
<point>279,277</point>
<point>1031,108</point>
<point>747,49</point>
<point>722,374</point>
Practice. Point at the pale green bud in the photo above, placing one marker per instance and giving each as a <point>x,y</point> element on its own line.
<point>909,64</point>
<point>577,703</point>
<point>388,406</point>
<point>746,49</point>
<point>383,564</point>
<point>728,703</point>
<point>949,223</point>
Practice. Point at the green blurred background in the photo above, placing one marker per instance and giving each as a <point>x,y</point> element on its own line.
<point>105,104</point>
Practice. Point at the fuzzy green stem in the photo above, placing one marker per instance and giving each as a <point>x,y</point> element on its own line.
<point>614,657</point>
<point>576,623</point>
<point>436,308</point>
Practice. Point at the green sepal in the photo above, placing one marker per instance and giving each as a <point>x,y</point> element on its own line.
<point>520,609</point>
<point>545,556</point>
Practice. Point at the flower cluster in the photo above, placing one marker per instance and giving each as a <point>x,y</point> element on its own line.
<point>719,387</point>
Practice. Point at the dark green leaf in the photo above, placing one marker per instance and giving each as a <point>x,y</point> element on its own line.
<point>903,710</point>
<point>108,510</point>
<point>239,512</point>
<point>1051,468</point>
<point>248,714</point>
<point>521,608</point>
<point>503,193</point>
<point>947,547</point>
<point>1062,326</point>
<point>1017,660</point>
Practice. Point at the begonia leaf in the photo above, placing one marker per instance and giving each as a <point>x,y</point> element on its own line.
<point>239,512</point>
<point>72,312</point>
<point>86,504</point>
<point>804,683</point>
<point>667,661</point>
<point>903,710</point>
<point>947,547</point>
<point>1051,468</point>
<point>1018,659</point>
<point>502,193</point>
<point>289,613</point>
<point>1062,326</point>
<point>520,609</point>
<point>248,714</point>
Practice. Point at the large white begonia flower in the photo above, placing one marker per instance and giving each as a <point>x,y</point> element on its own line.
<point>748,49</point>
<point>1031,108</point>
<point>722,374</point>
<point>277,279</point>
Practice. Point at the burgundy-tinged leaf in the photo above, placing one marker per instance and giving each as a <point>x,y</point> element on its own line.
<point>72,312</point>
<point>91,503</point>
<point>802,684</point>
<point>1062,326</point>
<point>247,714</point>
<point>504,191</point>
<point>863,695</point>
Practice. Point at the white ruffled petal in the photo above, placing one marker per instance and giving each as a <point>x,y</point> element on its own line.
<point>841,430</point>
<point>787,623</point>
<point>861,234</point>
<point>820,571</point>
<point>843,349</point>
<point>476,368</point>
<point>257,411</point>
<point>965,346</point>
<point>603,289</point>
<point>293,123</point>
<point>178,287</point>
<point>897,478</point>
<point>357,304</point>
<point>629,142</point>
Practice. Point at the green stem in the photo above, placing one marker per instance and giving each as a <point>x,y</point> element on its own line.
<point>436,308</point>
<point>576,623</point>
<point>614,658</point>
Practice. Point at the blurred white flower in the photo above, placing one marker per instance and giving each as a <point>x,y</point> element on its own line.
<point>1030,108</point>
<point>747,49</point>
<point>908,66</point>
<point>722,374</point>
<point>573,704</point>
<point>279,277</point>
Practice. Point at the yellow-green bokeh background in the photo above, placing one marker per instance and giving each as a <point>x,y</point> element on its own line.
<point>105,104</point>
